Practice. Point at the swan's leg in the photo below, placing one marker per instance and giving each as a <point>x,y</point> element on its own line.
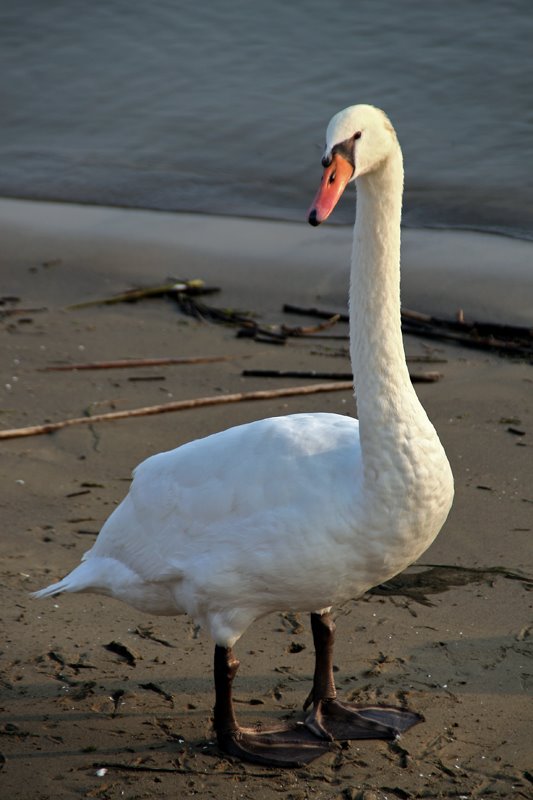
<point>334,719</point>
<point>282,747</point>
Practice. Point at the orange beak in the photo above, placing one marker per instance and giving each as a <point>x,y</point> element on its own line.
<point>334,180</point>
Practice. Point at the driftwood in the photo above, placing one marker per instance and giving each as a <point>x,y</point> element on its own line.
<point>185,293</point>
<point>177,405</point>
<point>249,327</point>
<point>420,377</point>
<point>504,339</point>
<point>124,363</point>
<point>172,288</point>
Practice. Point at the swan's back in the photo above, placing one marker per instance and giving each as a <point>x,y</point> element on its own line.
<point>246,471</point>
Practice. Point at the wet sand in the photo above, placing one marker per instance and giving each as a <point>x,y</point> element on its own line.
<point>79,719</point>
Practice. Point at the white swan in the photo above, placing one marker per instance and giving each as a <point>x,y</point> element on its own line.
<point>298,512</point>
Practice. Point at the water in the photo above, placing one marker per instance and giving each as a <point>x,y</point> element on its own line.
<point>220,107</point>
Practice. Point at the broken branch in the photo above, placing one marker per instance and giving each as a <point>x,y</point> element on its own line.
<point>178,405</point>
<point>288,308</point>
<point>309,330</point>
<point>139,362</point>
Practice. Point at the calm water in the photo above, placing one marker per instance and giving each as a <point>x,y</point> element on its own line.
<point>220,107</point>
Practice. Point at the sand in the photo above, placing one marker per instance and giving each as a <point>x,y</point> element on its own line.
<point>79,719</point>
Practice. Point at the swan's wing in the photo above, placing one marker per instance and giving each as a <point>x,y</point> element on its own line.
<point>251,494</point>
<point>228,528</point>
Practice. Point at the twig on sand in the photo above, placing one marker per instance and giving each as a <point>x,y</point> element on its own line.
<point>296,373</point>
<point>105,765</point>
<point>426,360</point>
<point>417,377</point>
<point>425,377</point>
<point>310,330</point>
<point>13,312</point>
<point>320,313</point>
<point>124,363</point>
<point>177,405</point>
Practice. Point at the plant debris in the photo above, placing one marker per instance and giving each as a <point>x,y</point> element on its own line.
<point>172,288</point>
<point>153,687</point>
<point>510,340</point>
<point>147,632</point>
<point>123,652</point>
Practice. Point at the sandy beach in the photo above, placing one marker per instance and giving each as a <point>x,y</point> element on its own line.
<point>99,701</point>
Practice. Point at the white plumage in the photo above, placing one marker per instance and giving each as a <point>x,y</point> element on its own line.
<point>230,527</point>
<point>303,511</point>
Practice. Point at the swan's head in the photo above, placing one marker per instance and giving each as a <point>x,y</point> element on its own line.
<point>358,140</point>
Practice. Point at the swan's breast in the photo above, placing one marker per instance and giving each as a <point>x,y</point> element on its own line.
<point>409,492</point>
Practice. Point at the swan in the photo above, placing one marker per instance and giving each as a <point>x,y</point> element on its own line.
<point>298,512</point>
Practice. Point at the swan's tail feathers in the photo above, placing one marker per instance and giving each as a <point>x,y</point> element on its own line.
<point>53,589</point>
<point>109,577</point>
<point>99,575</point>
<point>86,577</point>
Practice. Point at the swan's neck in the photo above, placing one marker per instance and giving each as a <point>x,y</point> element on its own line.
<point>386,401</point>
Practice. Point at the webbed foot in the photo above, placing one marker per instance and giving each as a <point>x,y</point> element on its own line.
<point>283,747</point>
<point>335,720</point>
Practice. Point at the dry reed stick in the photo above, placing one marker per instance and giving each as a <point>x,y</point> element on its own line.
<point>416,377</point>
<point>178,405</point>
<point>138,362</point>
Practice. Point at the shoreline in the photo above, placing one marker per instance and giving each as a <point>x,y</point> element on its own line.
<point>489,277</point>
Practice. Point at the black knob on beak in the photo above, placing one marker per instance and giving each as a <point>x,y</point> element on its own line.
<point>312,218</point>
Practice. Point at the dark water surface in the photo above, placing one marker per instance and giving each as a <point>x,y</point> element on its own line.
<point>221,107</point>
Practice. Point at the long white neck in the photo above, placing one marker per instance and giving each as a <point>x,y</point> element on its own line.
<point>386,401</point>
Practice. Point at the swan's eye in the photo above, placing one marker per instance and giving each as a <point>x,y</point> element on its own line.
<point>357,135</point>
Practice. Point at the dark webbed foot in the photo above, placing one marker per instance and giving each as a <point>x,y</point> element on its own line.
<point>333,719</point>
<point>329,720</point>
<point>283,746</point>
<point>287,747</point>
